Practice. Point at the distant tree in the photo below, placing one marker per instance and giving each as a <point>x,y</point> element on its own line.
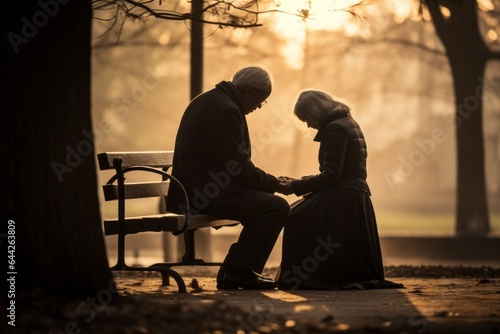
<point>456,24</point>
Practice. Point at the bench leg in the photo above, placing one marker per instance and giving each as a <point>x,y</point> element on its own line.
<point>189,257</point>
<point>166,273</point>
<point>189,254</point>
<point>120,261</point>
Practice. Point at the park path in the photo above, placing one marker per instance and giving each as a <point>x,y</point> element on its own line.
<point>425,305</point>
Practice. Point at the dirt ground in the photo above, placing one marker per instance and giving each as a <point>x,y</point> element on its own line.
<point>434,300</point>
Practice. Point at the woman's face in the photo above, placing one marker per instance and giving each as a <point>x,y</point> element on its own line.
<point>311,123</point>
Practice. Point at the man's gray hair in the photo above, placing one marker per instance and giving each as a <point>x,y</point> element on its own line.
<point>253,77</point>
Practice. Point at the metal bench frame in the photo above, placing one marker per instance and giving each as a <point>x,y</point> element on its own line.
<point>116,188</point>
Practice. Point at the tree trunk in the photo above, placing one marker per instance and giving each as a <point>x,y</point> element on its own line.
<point>49,161</point>
<point>467,54</point>
<point>471,204</point>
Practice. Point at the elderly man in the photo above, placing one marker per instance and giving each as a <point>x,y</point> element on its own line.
<point>212,159</point>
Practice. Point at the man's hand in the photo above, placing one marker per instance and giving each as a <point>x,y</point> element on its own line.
<point>285,179</point>
<point>285,187</point>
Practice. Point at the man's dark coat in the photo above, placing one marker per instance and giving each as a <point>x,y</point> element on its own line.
<point>212,154</point>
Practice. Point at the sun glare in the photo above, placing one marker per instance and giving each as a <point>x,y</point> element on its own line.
<point>445,11</point>
<point>164,38</point>
<point>492,35</point>
<point>485,5</point>
<point>400,9</point>
<point>303,16</point>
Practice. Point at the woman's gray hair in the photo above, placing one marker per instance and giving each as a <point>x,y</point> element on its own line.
<point>318,106</point>
<point>253,77</point>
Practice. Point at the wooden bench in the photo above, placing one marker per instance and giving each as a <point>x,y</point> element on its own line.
<point>116,188</point>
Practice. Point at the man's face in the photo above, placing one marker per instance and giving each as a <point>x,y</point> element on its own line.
<point>254,100</point>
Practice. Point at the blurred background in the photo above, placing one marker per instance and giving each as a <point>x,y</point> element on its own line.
<point>386,62</point>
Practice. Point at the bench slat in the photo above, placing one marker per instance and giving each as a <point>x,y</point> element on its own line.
<point>200,221</point>
<point>137,190</point>
<point>147,158</point>
<point>167,222</point>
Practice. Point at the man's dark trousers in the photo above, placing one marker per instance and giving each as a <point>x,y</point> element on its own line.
<point>262,215</point>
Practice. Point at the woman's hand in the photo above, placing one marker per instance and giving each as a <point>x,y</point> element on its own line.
<point>285,187</point>
<point>286,179</point>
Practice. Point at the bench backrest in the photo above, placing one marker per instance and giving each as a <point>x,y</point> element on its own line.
<point>161,160</point>
<point>148,158</point>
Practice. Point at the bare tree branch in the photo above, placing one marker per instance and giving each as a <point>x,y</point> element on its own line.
<point>222,13</point>
<point>219,9</point>
<point>225,13</point>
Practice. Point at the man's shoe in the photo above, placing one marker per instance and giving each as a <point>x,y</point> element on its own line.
<point>265,278</point>
<point>222,271</point>
<point>235,278</point>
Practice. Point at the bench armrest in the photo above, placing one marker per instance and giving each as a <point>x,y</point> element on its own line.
<point>120,178</point>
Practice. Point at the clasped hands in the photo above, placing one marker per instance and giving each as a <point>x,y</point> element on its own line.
<point>285,186</point>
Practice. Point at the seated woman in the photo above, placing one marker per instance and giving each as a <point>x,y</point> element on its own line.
<point>331,240</point>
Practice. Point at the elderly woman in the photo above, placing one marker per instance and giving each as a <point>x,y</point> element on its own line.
<point>330,240</point>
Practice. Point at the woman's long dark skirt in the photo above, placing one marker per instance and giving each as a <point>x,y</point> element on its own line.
<point>331,241</point>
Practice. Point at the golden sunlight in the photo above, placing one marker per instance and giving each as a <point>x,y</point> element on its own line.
<point>400,9</point>
<point>485,5</point>
<point>164,38</point>
<point>303,16</point>
<point>284,296</point>
<point>492,35</point>
<point>445,11</point>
